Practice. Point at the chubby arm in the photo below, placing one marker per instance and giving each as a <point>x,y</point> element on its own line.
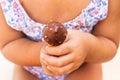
<point>15,47</point>
<point>106,35</point>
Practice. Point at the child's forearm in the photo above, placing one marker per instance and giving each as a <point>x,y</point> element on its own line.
<point>23,52</point>
<point>101,49</point>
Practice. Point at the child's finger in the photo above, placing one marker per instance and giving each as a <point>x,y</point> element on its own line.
<point>58,50</point>
<point>58,61</point>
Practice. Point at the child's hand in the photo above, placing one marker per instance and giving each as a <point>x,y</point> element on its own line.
<point>67,57</point>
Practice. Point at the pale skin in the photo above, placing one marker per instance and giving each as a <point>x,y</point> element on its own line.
<point>105,35</point>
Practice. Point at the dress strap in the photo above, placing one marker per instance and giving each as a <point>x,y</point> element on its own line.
<point>10,10</point>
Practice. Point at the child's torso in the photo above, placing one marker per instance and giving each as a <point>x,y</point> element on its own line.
<point>75,15</point>
<point>45,11</point>
<point>30,18</point>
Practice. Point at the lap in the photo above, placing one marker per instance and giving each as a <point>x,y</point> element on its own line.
<point>86,72</point>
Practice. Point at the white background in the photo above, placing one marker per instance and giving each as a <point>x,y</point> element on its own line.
<point>111,69</point>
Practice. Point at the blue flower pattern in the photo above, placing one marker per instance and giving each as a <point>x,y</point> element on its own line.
<point>18,19</point>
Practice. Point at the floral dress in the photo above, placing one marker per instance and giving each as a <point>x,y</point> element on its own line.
<point>17,18</point>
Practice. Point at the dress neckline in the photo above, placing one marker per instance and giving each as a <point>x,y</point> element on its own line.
<point>70,21</point>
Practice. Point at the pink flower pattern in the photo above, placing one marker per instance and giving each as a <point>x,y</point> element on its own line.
<point>18,19</point>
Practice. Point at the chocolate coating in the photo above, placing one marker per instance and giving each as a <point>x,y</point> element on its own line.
<point>54,33</point>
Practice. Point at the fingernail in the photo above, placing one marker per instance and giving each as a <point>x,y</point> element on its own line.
<point>43,40</point>
<point>45,62</point>
<point>46,47</point>
<point>42,55</point>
